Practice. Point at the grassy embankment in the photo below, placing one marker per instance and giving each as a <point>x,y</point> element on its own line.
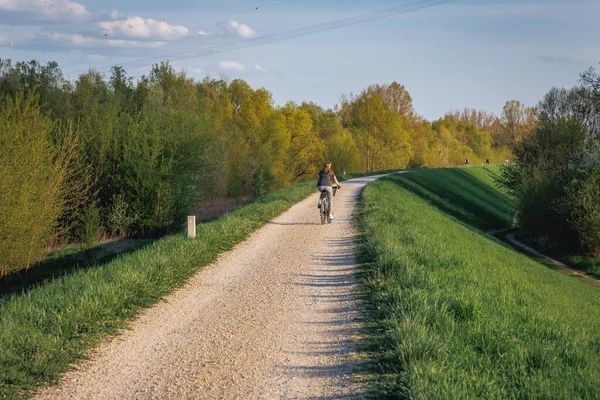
<point>460,314</point>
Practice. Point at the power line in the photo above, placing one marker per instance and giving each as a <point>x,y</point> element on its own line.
<point>245,7</point>
<point>337,24</point>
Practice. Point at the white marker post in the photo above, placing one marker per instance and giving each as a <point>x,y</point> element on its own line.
<point>192,226</point>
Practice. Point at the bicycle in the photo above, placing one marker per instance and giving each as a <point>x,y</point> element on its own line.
<point>325,206</point>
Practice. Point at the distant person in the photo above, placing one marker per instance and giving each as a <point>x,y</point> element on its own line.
<point>467,162</point>
<point>326,179</point>
<point>487,161</point>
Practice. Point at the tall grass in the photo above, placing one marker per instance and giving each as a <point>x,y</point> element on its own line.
<point>461,315</point>
<point>47,327</point>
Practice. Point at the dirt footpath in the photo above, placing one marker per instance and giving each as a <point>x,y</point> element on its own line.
<point>273,318</point>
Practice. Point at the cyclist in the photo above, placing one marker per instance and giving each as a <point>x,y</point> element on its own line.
<point>326,180</point>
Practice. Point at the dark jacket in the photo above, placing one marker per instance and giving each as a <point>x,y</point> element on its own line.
<point>325,179</point>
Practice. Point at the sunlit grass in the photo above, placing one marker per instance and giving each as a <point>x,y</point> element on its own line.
<point>459,314</point>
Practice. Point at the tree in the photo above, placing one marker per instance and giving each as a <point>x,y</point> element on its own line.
<point>305,149</point>
<point>34,177</point>
<point>397,98</point>
<point>555,179</point>
<point>588,106</point>
<point>517,120</point>
<point>27,78</point>
<point>377,128</point>
<point>483,120</point>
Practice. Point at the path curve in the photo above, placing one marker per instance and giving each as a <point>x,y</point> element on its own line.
<point>511,238</point>
<point>276,317</point>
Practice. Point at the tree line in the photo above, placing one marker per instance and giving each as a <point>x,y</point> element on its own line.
<point>556,177</point>
<point>110,156</point>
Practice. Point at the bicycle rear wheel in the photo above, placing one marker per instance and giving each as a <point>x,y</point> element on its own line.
<point>324,207</point>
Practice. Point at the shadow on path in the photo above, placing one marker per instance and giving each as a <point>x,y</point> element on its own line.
<point>334,285</point>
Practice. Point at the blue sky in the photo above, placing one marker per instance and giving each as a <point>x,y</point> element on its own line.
<point>466,53</point>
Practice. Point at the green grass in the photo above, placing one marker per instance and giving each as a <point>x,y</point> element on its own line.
<point>469,195</point>
<point>457,313</point>
<point>66,260</point>
<point>52,324</point>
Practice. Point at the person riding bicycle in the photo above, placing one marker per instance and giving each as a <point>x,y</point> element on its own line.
<point>326,180</point>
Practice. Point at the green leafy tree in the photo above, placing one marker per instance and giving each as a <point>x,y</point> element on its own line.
<point>34,179</point>
<point>378,131</point>
<point>305,149</point>
<point>555,179</point>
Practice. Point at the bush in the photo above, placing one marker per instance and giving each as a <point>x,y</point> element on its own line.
<point>584,196</point>
<point>120,218</point>
<point>557,190</point>
<point>89,227</point>
<point>33,176</point>
<point>544,210</point>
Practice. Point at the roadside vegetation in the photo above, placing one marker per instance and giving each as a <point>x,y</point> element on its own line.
<point>589,265</point>
<point>118,158</point>
<point>458,314</point>
<point>556,177</point>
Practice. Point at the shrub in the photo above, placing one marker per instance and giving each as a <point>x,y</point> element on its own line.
<point>584,196</point>
<point>89,227</point>
<point>33,176</point>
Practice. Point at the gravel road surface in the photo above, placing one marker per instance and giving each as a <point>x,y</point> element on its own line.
<point>276,317</point>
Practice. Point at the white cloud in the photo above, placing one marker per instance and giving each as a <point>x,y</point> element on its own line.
<point>232,65</point>
<point>202,33</point>
<point>138,27</point>
<point>94,57</point>
<point>236,66</point>
<point>47,9</point>
<point>86,41</point>
<point>240,30</point>
<point>114,15</point>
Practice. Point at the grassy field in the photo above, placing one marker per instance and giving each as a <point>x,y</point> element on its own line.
<point>47,326</point>
<point>459,314</point>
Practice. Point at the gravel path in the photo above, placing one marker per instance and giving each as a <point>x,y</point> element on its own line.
<point>276,317</point>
